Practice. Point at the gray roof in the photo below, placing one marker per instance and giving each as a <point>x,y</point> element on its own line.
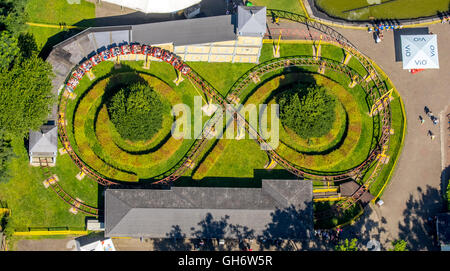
<point>153,213</point>
<point>44,141</point>
<point>251,21</point>
<point>72,51</point>
<point>184,32</point>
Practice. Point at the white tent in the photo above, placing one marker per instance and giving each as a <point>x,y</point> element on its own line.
<point>419,52</point>
<point>155,6</point>
<point>105,245</point>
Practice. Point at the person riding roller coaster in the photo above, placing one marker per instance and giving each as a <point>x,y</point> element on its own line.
<point>167,57</point>
<point>176,63</point>
<point>86,66</point>
<point>126,49</point>
<point>72,83</point>
<point>135,49</point>
<point>145,49</point>
<point>105,55</point>
<point>95,60</point>
<point>185,69</point>
<point>157,52</point>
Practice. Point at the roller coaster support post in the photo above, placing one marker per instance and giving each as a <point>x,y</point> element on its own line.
<point>386,98</point>
<point>347,58</point>
<point>353,82</point>
<point>317,49</point>
<point>276,50</point>
<point>91,75</point>
<point>117,63</point>
<point>146,63</point>
<point>179,78</point>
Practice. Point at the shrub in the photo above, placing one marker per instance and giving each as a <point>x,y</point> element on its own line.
<point>308,111</point>
<point>136,111</point>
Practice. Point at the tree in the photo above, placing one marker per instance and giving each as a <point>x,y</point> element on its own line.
<point>399,245</point>
<point>308,110</point>
<point>13,16</point>
<point>6,153</point>
<point>8,50</point>
<point>26,96</point>
<point>136,111</point>
<point>347,245</point>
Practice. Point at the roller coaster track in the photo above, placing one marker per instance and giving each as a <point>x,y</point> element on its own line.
<point>330,35</point>
<point>89,210</point>
<point>290,62</point>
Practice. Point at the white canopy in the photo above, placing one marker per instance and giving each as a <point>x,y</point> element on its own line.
<point>155,6</point>
<point>419,52</point>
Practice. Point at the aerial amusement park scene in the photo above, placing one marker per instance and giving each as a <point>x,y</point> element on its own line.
<point>224,125</point>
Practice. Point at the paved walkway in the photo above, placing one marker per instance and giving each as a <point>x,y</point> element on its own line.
<point>415,191</point>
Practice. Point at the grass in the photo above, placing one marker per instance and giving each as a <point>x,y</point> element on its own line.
<point>55,12</point>
<point>398,9</point>
<point>332,159</point>
<point>32,205</point>
<point>108,158</point>
<point>288,5</point>
<point>237,159</point>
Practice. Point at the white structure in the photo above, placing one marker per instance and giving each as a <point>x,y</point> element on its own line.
<point>419,52</point>
<point>104,245</point>
<point>43,145</point>
<point>155,6</point>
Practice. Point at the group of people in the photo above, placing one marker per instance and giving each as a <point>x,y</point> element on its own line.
<point>328,235</point>
<point>126,49</point>
<point>445,18</point>
<point>377,29</point>
<point>433,119</point>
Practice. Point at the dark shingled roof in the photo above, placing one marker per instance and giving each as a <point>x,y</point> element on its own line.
<point>153,213</point>
<point>184,32</point>
<point>443,228</point>
<point>70,52</point>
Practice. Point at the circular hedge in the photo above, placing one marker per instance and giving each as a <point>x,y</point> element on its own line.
<point>136,111</point>
<point>307,110</point>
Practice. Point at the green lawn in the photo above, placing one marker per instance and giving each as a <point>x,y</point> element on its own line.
<point>32,205</point>
<point>398,9</point>
<point>55,12</point>
<point>288,5</point>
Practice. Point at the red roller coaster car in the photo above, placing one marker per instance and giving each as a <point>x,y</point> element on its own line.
<point>135,49</point>
<point>95,60</point>
<point>126,49</point>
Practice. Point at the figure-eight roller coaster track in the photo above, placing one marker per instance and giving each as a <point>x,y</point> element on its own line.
<point>331,36</point>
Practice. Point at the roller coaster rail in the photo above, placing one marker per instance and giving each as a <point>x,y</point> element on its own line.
<point>291,62</point>
<point>89,210</point>
<point>331,35</point>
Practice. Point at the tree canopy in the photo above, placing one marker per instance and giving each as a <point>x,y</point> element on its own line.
<point>136,111</point>
<point>8,49</point>
<point>308,110</point>
<point>25,96</point>
<point>12,15</point>
<point>347,245</point>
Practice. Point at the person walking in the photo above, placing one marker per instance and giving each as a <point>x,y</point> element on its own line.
<point>431,134</point>
<point>421,119</point>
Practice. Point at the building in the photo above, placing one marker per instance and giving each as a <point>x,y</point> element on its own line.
<point>227,38</point>
<point>279,209</point>
<point>443,231</point>
<point>43,145</point>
